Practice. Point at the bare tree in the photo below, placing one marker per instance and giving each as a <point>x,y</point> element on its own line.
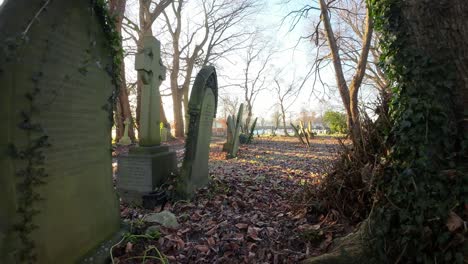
<point>229,104</point>
<point>257,58</point>
<point>287,93</point>
<point>276,121</point>
<point>182,52</point>
<point>227,29</point>
<point>353,18</point>
<point>202,44</point>
<point>349,94</point>
<point>123,111</point>
<point>148,11</point>
<point>324,36</point>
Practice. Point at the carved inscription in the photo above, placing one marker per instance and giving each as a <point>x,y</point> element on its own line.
<point>135,174</point>
<point>200,164</point>
<point>71,102</point>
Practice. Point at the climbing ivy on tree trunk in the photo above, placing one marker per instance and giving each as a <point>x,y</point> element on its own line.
<point>423,188</point>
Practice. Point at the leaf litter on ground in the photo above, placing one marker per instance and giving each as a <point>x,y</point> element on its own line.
<point>251,212</point>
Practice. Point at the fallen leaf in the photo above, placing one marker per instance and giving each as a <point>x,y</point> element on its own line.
<point>211,241</point>
<point>252,232</point>
<point>128,247</point>
<point>242,226</point>
<point>454,222</point>
<point>202,248</point>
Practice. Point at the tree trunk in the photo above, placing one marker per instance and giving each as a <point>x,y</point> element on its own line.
<point>125,105</point>
<point>178,115</point>
<point>118,120</point>
<point>249,115</point>
<point>349,94</point>
<point>147,16</point>
<point>428,42</point>
<point>117,9</point>
<point>139,84</point>
<point>186,104</point>
<point>283,113</point>
<point>162,115</point>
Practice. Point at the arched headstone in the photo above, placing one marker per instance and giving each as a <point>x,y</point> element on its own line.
<point>202,109</point>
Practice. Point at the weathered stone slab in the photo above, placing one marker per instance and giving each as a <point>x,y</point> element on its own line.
<point>202,109</point>
<point>62,62</point>
<point>140,172</point>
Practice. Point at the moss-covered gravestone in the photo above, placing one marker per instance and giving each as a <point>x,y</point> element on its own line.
<point>202,110</point>
<point>149,165</point>
<point>57,200</point>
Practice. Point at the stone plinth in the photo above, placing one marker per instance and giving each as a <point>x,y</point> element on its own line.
<point>143,170</point>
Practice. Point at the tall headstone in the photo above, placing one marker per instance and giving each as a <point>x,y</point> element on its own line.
<point>149,165</point>
<point>152,72</point>
<point>202,109</point>
<point>56,88</point>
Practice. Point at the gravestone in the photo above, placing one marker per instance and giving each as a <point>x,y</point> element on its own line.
<point>125,139</point>
<point>149,165</point>
<point>164,132</point>
<point>56,88</point>
<point>202,110</point>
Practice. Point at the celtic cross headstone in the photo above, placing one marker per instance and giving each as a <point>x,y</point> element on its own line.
<point>152,72</point>
<point>149,165</point>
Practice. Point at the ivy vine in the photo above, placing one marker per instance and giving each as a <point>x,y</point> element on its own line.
<point>32,175</point>
<point>114,43</point>
<point>422,185</point>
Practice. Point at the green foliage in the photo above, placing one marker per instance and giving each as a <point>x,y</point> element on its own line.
<point>336,121</point>
<point>30,176</point>
<point>114,43</point>
<point>243,138</point>
<point>421,185</point>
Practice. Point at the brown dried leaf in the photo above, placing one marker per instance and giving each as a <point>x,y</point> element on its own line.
<point>211,231</point>
<point>454,222</point>
<point>128,247</point>
<point>252,232</point>
<point>176,239</point>
<point>196,217</point>
<point>242,226</point>
<point>202,248</point>
<point>211,241</point>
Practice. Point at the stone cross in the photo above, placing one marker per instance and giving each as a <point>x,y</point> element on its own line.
<point>125,139</point>
<point>151,71</point>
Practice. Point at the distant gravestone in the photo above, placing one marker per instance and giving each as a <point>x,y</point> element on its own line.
<point>56,88</point>
<point>125,139</point>
<point>164,132</point>
<point>148,166</point>
<point>202,110</point>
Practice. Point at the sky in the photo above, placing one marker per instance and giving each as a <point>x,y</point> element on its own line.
<point>293,58</point>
